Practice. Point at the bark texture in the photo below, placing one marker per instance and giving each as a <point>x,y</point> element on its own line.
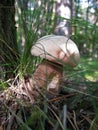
<point>8,46</point>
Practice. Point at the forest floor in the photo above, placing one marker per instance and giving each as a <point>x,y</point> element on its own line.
<point>76,107</point>
<point>84,105</point>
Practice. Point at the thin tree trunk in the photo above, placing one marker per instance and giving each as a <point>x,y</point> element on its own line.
<point>64,10</point>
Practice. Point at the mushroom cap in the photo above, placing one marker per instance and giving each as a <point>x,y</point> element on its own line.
<point>58,49</point>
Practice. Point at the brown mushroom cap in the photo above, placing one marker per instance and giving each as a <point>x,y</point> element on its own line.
<point>58,49</point>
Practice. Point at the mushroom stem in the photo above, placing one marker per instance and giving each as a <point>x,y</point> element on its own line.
<point>48,76</point>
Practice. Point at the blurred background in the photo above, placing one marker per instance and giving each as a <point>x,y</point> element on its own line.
<point>77,19</point>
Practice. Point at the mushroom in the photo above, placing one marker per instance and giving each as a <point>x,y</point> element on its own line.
<point>56,51</point>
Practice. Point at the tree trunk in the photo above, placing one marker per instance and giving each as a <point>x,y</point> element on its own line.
<point>64,10</point>
<point>8,44</point>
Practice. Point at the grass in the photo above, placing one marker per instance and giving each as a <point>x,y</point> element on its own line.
<point>91,69</point>
<point>78,101</point>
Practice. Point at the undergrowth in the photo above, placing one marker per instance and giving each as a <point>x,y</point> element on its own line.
<point>76,107</point>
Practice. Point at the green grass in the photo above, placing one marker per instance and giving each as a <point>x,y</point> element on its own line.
<point>90,67</point>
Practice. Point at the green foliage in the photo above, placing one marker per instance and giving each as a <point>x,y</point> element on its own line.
<point>85,35</point>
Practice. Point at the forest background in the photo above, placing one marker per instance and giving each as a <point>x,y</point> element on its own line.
<point>22,22</point>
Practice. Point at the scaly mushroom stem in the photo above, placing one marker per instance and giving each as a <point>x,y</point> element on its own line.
<point>48,76</point>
